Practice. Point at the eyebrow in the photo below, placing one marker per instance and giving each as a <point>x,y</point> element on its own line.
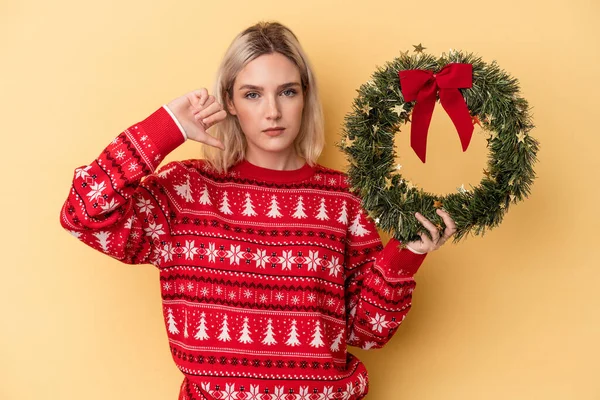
<point>284,86</point>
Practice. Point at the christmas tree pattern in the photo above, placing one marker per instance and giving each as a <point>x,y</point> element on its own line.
<point>245,333</point>
<point>293,335</point>
<point>102,238</point>
<point>269,338</point>
<point>201,333</point>
<point>335,346</point>
<point>171,322</point>
<point>205,198</point>
<point>225,204</point>
<point>248,207</point>
<point>185,327</point>
<point>274,208</point>
<point>299,212</point>
<point>224,336</point>
<point>317,336</point>
<point>343,218</point>
<point>185,191</point>
<point>165,172</point>
<point>357,228</point>
<point>322,215</point>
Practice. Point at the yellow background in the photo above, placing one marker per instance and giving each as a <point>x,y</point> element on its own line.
<point>511,315</point>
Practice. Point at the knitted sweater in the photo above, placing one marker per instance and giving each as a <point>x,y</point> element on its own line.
<point>266,276</point>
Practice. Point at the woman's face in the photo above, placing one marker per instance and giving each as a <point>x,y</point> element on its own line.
<point>267,93</point>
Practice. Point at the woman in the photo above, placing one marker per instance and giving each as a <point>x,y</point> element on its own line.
<point>269,266</point>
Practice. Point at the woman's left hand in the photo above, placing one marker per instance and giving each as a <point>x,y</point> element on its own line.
<point>426,245</point>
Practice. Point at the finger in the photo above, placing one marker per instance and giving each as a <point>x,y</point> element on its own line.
<point>209,110</point>
<point>212,141</point>
<point>435,234</point>
<point>450,225</point>
<point>209,101</point>
<point>211,119</point>
<point>426,243</point>
<point>448,221</point>
<point>215,118</point>
<point>202,95</point>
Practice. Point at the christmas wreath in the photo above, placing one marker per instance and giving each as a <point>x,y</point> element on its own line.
<point>472,92</point>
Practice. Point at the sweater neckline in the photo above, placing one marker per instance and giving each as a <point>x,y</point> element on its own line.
<point>248,170</point>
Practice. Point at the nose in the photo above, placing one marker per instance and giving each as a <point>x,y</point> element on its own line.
<point>273,109</point>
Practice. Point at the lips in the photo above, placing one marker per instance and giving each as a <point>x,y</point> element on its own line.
<point>273,131</point>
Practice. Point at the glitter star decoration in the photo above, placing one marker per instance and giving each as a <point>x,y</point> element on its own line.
<point>399,109</point>
<point>419,48</point>
<point>388,183</point>
<point>437,204</point>
<point>366,108</point>
<point>521,137</point>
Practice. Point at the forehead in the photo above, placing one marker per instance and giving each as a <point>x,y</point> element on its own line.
<point>268,70</point>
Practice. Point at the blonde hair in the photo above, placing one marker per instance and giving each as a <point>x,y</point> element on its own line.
<point>259,39</point>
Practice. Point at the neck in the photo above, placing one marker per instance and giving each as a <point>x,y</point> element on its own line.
<point>278,161</point>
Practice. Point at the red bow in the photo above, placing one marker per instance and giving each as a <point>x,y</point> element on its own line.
<point>423,86</point>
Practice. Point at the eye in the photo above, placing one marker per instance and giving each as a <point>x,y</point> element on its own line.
<point>289,92</point>
<point>251,95</point>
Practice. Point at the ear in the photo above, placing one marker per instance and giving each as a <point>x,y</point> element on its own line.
<point>230,105</point>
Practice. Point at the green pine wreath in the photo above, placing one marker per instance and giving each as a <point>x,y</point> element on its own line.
<point>379,109</point>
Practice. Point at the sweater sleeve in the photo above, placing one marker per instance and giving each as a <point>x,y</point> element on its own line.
<point>379,284</point>
<point>115,204</point>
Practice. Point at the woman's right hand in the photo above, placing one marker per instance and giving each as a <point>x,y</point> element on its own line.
<point>197,111</point>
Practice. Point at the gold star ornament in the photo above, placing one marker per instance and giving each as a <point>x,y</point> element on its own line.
<point>388,183</point>
<point>399,109</point>
<point>419,48</point>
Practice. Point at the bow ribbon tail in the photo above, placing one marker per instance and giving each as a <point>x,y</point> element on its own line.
<point>421,120</point>
<point>457,109</point>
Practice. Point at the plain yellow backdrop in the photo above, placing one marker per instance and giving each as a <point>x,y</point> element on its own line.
<point>510,315</point>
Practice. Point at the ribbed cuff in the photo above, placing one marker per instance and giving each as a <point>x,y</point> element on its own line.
<point>162,131</point>
<point>397,259</point>
<point>176,121</point>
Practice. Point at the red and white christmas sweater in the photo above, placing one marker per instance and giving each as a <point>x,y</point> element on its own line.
<point>266,276</point>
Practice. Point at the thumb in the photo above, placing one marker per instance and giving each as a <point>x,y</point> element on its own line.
<point>212,141</point>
